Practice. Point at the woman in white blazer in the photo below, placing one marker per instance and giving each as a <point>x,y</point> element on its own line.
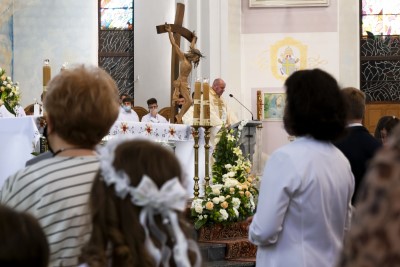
<point>304,203</point>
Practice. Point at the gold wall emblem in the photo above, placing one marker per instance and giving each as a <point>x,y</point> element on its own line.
<point>287,56</point>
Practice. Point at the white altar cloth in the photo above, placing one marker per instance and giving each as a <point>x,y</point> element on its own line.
<point>178,135</point>
<point>156,131</point>
<point>18,137</point>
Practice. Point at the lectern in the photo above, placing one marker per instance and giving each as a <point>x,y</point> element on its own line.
<point>248,138</point>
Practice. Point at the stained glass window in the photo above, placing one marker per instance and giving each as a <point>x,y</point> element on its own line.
<point>381,17</point>
<point>116,14</point>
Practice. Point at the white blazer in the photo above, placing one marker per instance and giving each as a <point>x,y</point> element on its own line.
<point>304,206</point>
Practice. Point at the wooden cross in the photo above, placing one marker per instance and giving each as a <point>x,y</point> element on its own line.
<point>178,31</point>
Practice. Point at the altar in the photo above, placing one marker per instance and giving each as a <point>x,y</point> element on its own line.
<point>20,138</point>
<point>177,137</point>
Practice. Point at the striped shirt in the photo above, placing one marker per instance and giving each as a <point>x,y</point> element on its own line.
<point>56,191</point>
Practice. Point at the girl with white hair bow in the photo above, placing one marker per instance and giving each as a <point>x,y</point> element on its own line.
<point>137,203</point>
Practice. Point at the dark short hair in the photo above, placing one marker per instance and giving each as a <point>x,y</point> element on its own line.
<point>124,94</point>
<point>23,241</point>
<point>380,125</point>
<point>314,105</point>
<point>128,99</point>
<point>390,124</point>
<point>151,101</point>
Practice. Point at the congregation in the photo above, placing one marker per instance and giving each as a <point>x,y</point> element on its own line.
<point>326,199</point>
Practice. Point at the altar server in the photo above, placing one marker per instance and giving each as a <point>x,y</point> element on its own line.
<point>81,105</point>
<point>153,115</point>
<point>126,113</point>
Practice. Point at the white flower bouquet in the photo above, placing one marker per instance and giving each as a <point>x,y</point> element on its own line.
<point>9,92</point>
<point>232,195</point>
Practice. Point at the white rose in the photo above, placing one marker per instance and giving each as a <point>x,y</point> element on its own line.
<point>228,166</point>
<point>215,200</point>
<point>236,212</point>
<point>224,214</point>
<point>236,202</point>
<point>221,198</point>
<point>216,189</point>
<point>196,202</point>
<point>231,174</point>
<point>200,217</point>
<point>229,182</point>
<point>198,208</point>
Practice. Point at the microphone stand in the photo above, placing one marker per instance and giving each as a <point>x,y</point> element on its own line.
<point>252,116</point>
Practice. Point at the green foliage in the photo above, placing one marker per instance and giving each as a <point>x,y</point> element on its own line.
<point>10,94</point>
<point>232,195</point>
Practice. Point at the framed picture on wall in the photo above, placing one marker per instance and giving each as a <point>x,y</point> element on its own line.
<point>274,106</point>
<point>287,3</point>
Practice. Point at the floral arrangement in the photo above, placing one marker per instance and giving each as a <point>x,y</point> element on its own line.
<point>232,195</point>
<point>10,94</point>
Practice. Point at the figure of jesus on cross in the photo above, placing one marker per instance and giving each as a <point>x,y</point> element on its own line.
<point>181,84</point>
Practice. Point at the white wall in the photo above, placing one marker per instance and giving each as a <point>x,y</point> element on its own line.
<point>349,44</point>
<point>67,31</point>
<point>152,51</point>
<point>330,34</point>
<point>62,31</point>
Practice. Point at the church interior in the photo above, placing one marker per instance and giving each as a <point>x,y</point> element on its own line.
<point>253,45</point>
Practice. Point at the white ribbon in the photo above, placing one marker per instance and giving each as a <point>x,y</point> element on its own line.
<point>166,201</point>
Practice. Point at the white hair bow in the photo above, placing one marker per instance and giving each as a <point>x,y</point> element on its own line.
<point>166,201</point>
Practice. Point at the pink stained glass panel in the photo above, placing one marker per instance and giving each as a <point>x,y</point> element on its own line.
<point>116,14</point>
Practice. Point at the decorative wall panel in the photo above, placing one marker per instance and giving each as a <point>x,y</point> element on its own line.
<point>380,68</point>
<point>116,41</point>
<point>121,69</point>
<point>116,44</point>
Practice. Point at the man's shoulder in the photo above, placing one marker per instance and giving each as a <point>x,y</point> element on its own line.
<point>358,137</point>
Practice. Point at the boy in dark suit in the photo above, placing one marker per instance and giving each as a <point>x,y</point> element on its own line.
<point>359,146</point>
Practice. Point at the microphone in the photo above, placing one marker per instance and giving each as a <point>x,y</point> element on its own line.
<point>252,117</point>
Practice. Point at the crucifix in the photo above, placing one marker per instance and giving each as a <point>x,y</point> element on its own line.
<point>180,63</point>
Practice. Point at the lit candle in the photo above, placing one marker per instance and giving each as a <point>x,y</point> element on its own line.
<point>197,103</point>
<point>206,103</point>
<point>259,105</point>
<point>46,74</point>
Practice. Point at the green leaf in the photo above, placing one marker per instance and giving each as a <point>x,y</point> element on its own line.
<point>9,108</point>
<point>199,224</point>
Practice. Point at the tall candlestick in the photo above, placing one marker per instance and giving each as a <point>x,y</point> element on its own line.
<point>197,103</point>
<point>259,105</point>
<point>46,74</point>
<point>206,103</point>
